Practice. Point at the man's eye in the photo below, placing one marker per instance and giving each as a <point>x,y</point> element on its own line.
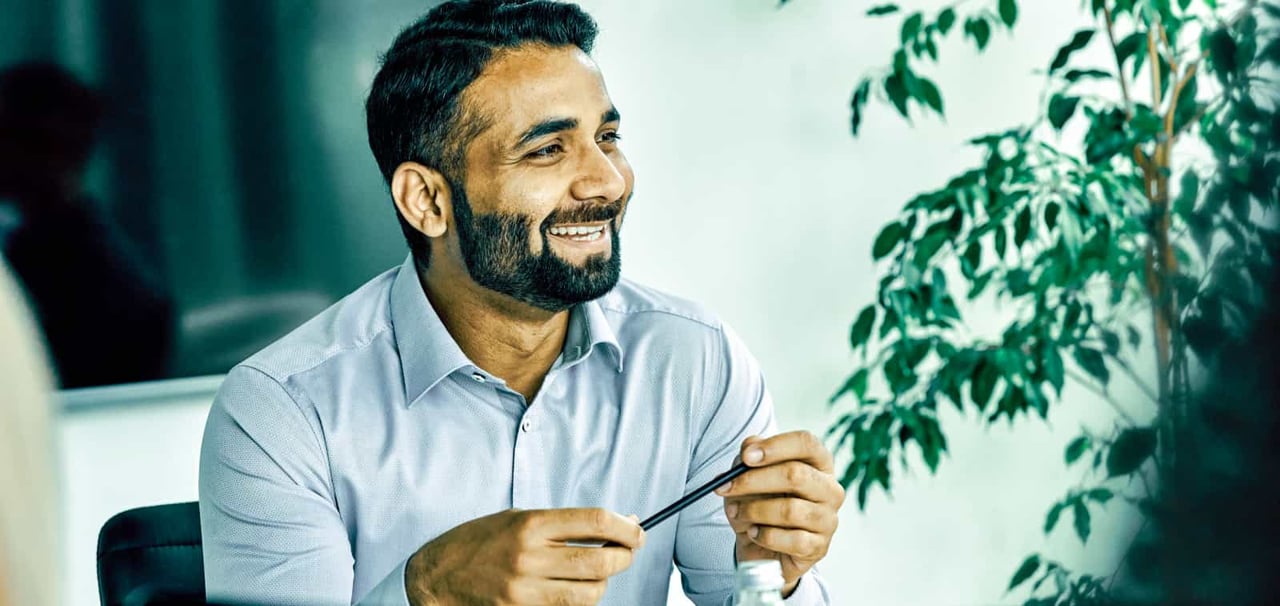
<point>547,152</point>
<point>610,137</point>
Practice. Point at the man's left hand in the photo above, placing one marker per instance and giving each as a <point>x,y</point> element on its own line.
<point>786,508</point>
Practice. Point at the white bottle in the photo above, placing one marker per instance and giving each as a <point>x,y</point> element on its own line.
<point>758,583</point>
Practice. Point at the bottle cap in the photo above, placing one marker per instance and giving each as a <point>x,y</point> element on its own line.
<point>759,575</point>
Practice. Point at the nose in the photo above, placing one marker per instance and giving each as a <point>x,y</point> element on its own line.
<point>599,179</point>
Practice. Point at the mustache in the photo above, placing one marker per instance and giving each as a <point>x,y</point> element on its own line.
<point>584,214</point>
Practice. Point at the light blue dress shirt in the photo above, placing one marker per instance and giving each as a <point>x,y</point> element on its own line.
<point>332,455</point>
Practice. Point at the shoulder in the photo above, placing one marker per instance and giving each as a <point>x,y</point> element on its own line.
<point>354,323</point>
<point>631,301</point>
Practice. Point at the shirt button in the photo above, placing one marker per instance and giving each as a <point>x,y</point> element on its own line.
<point>479,378</point>
<point>526,425</point>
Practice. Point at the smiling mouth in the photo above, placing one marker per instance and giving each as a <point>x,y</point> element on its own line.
<point>588,232</point>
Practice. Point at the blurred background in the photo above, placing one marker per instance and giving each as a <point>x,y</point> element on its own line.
<point>231,189</point>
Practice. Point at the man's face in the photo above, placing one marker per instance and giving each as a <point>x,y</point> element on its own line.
<point>546,184</point>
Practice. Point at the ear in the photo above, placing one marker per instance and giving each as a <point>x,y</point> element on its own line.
<point>423,198</point>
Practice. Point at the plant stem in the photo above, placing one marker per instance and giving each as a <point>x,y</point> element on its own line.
<point>1124,83</point>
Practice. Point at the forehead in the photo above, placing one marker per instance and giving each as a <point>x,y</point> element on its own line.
<point>530,83</point>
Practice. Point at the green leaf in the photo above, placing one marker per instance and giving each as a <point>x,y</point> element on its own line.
<point>1112,341</point>
<point>979,30</point>
<point>1101,495</point>
<point>861,330</point>
<point>1188,192</point>
<point>1051,211</point>
<point>1077,42</point>
<point>973,256</point>
<point>1076,449</point>
<point>1082,520</point>
<point>946,19</point>
<point>1130,45</point>
<point>1222,52</point>
<point>858,384</point>
<point>1029,567</point>
<point>1130,450</point>
<point>980,284</point>
<point>1053,368</point>
<point>1008,12</point>
<point>983,383</point>
<point>1001,242</point>
<point>911,26</point>
<point>1051,520</point>
<point>1061,108</point>
<point>1092,362</point>
<point>1022,227</point>
<point>888,239</point>
<point>1074,75</point>
<point>881,10</point>
<point>927,92</point>
<point>895,87</point>
<point>929,246</point>
<point>1183,4</point>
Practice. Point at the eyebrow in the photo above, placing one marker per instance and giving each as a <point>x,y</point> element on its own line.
<point>556,125</point>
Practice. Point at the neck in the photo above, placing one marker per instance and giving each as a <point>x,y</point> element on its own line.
<point>513,341</point>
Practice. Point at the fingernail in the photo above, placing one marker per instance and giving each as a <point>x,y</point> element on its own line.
<point>753,532</point>
<point>723,490</point>
<point>634,518</point>
<point>731,510</point>
<point>753,456</point>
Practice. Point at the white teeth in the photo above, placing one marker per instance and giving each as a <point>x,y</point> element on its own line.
<point>577,230</point>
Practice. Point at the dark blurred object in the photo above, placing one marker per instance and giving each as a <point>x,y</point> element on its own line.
<point>151,556</point>
<point>103,315</point>
<point>1214,535</point>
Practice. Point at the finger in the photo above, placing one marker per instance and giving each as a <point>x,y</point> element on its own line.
<point>790,478</point>
<point>582,563</point>
<point>800,544</point>
<point>559,525</point>
<point>731,508</point>
<point>785,512</point>
<point>791,446</point>
<point>532,590</point>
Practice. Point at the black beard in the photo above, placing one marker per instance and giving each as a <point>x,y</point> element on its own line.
<point>496,250</point>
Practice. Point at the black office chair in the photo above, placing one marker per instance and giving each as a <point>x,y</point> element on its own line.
<point>151,556</point>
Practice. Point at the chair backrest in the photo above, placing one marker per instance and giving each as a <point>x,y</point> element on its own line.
<point>151,556</point>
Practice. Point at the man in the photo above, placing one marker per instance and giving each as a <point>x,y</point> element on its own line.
<point>453,431</point>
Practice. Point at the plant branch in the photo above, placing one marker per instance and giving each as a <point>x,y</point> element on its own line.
<point>1115,52</point>
<point>1088,384</point>
<point>1154,57</point>
<point>1173,101</point>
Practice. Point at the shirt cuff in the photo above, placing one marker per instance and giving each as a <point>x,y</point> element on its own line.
<point>391,591</point>
<point>809,592</point>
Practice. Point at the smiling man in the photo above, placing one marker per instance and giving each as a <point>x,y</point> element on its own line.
<point>451,432</point>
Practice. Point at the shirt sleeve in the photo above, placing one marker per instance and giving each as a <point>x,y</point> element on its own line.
<point>738,406</point>
<point>271,529</point>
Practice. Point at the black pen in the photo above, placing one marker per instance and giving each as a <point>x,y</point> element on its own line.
<point>697,493</point>
<point>676,507</point>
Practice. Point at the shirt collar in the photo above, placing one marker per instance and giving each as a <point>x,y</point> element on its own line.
<point>428,352</point>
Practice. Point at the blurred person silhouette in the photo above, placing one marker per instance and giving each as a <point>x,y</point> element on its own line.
<point>28,486</point>
<point>102,313</point>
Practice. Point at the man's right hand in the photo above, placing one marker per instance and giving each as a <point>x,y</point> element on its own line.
<point>520,557</point>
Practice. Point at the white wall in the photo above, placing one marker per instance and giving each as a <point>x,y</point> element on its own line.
<point>753,199</point>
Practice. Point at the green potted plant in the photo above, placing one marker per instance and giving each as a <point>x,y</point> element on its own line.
<point>1094,246</point>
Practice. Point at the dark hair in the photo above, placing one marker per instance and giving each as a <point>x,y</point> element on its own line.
<point>46,107</point>
<point>413,111</point>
